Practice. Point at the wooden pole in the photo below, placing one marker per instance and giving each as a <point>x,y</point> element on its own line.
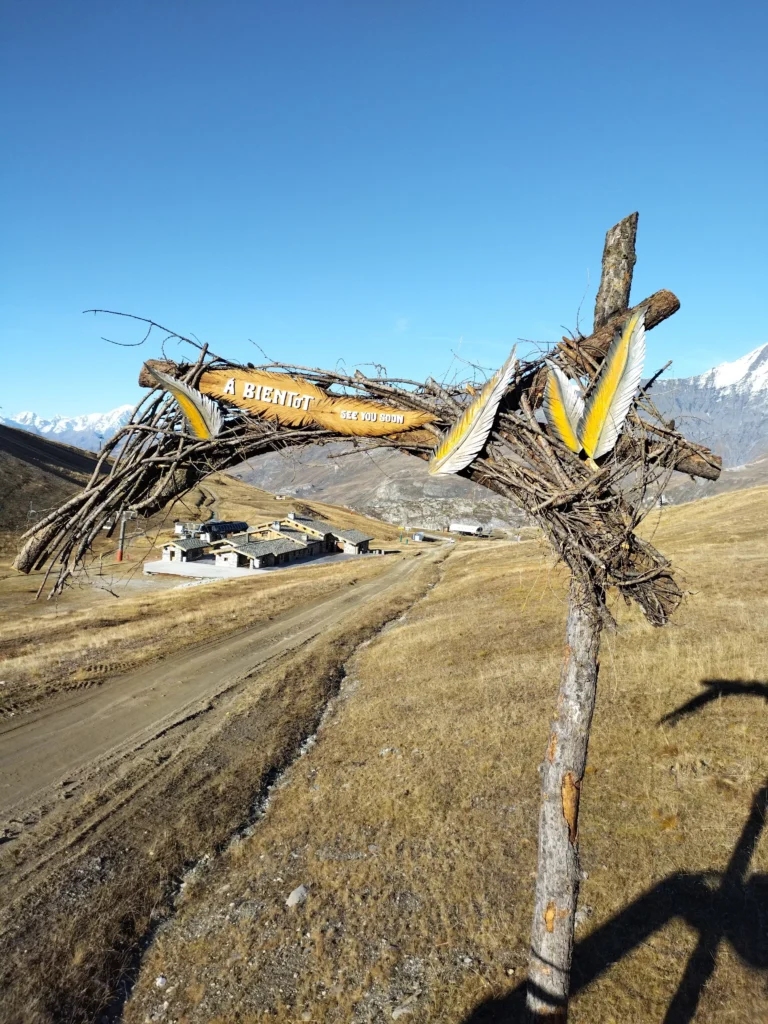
<point>121,542</point>
<point>562,771</point>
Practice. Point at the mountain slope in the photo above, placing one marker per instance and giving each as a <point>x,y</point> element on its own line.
<point>725,408</point>
<point>384,483</point>
<point>38,475</point>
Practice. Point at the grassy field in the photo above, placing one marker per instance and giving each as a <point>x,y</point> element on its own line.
<point>412,820</point>
<point>82,890</point>
<point>113,619</point>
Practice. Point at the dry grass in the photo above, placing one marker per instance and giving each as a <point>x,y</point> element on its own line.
<point>237,500</point>
<point>66,946</point>
<point>90,633</point>
<point>413,820</point>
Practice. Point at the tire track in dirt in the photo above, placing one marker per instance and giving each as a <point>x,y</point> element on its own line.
<point>82,733</point>
<point>81,886</point>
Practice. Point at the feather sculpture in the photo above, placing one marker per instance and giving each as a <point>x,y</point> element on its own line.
<point>610,399</point>
<point>563,407</point>
<point>595,427</point>
<point>201,413</point>
<point>466,438</point>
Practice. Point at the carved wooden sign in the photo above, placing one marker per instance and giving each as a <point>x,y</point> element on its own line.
<point>296,402</point>
<point>281,397</point>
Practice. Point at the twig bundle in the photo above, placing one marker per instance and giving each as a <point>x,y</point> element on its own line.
<point>590,517</point>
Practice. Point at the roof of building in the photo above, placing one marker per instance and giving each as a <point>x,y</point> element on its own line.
<point>313,524</point>
<point>296,535</point>
<point>259,548</point>
<point>225,524</point>
<point>353,536</point>
<point>188,543</point>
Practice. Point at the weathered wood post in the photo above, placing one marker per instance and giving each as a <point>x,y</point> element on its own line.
<point>562,771</point>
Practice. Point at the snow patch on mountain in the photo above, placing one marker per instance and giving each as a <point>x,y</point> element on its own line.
<point>88,431</point>
<point>749,373</point>
<point>725,408</point>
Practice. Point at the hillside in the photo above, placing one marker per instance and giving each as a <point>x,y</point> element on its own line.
<point>411,821</point>
<point>383,483</point>
<point>37,475</point>
<point>238,499</point>
<point>410,815</point>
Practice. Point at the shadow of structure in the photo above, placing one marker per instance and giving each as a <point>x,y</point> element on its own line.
<point>727,906</point>
<point>716,688</point>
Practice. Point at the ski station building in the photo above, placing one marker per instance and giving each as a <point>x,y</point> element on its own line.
<point>278,543</point>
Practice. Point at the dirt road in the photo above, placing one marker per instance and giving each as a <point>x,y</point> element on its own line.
<point>108,795</point>
<point>85,732</point>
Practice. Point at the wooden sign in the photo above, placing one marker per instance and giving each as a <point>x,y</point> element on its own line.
<point>296,402</point>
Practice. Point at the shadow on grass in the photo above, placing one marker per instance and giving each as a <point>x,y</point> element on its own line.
<point>720,907</point>
<point>716,688</point>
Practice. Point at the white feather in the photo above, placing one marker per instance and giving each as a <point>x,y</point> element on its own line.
<point>465,440</point>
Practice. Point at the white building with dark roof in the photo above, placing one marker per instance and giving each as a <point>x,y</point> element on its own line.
<point>352,542</point>
<point>185,549</point>
<point>235,545</point>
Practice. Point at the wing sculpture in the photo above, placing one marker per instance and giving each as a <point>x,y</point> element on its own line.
<point>611,397</point>
<point>201,413</point>
<point>466,438</point>
<point>595,427</point>
<point>563,407</point>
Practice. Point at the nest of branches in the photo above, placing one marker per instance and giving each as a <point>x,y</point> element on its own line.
<point>590,517</point>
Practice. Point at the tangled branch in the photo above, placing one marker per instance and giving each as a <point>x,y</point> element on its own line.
<point>590,518</point>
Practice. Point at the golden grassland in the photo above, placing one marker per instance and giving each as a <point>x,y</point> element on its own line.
<point>111,623</point>
<point>412,821</point>
<point>67,946</point>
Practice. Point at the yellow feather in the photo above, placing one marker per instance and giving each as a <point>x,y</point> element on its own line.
<point>196,422</point>
<point>609,402</point>
<point>466,439</point>
<point>202,414</point>
<point>556,412</point>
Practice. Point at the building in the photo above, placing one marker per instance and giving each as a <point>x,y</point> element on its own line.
<point>235,544</point>
<point>217,529</point>
<point>284,541</point>
<point>470,528</point>
<point>211,531</point>
<point>351,542</point>
<point>185,549</point>
<point>187,529</point>
<point>242,552</point>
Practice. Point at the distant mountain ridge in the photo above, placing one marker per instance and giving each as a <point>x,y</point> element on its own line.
<point>725,408</point>
<point>88,431</point>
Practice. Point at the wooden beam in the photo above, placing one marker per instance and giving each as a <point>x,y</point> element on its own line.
<point>618,264</point>
<point>659,307</point>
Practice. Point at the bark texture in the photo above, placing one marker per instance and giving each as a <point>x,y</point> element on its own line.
<point>562,772</point>
<point>618,264</point>
<point>557,881</point>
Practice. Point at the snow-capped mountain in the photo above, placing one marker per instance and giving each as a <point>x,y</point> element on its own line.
<point>89,431</point>
<point>725,408</point>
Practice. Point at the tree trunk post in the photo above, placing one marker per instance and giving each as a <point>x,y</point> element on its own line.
<point>562,771</point>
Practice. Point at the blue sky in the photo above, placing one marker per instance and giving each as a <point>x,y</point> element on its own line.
<point>390,181</point>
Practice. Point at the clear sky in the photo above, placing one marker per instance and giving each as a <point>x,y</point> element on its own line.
<point>392,181</point>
